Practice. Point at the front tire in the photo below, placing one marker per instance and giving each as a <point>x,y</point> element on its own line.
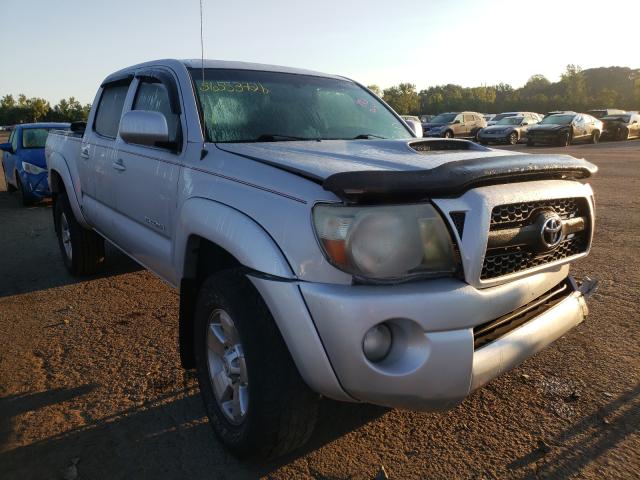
<point>82,250</point>
<point>26,197</point>
<point>512,139</point>
<point>565,139</point>
<point>595,137</point>
<point>256,401</point>
<point>448,134</point>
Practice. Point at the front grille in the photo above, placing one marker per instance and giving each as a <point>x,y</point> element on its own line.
<point>490,331</point>
<point>515,214</point>
<point>516,257</point>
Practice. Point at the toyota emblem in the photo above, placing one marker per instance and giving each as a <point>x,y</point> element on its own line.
<point>551,231</point>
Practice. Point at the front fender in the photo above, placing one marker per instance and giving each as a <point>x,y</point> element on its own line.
<point>57,164</point>
<point>231,230</point>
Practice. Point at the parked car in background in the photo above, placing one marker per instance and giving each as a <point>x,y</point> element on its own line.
<point>454,125</point>
<point>23,161</point>
<point>509,130</point>
<point>558,112</point>
<point>488,117</point>
<point>605,112</point>
<point>502,115</point>
<point>564,129</point>
<point>415,124</point>
<point>621,127</point>
<point>426,118</point>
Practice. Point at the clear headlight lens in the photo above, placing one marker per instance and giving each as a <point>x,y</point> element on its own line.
<point>33,169</point>
<point>385,242</point>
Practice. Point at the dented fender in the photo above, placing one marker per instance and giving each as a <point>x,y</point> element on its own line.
<point>245,239</point>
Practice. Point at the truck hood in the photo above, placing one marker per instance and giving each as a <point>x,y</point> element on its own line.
<point>319,160</point>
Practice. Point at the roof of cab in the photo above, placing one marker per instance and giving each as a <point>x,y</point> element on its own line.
<point>197,63</point>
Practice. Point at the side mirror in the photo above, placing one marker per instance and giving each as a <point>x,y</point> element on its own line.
<point>524,124</point>
<point>6,147</point>
<point>415,126</point>
<point>142,127</point>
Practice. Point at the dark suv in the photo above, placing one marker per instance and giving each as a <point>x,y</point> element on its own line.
<point>454,125</point>
<point>564,129</point>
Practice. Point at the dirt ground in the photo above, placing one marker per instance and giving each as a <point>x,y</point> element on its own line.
<point>91,387</point>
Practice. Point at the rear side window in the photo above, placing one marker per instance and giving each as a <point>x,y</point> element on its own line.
<point>469,118</point>
<point>110,110</point>
<point>155,98</point>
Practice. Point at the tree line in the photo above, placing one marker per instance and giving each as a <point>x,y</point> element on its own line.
<point>578,90</point>
<point>27,110</point>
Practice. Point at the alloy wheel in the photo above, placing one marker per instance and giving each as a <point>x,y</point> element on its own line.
<point>65,233</point>
<point>227,367</point>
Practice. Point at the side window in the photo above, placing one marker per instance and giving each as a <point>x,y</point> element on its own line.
<point>468,118</point>
<point>14,140</point>
<point>459,118</point>
<point>109,110</point>
<point>155,98</point>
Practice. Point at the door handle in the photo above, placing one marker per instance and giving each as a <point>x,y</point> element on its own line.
<point>84,151</point>
<point>119,165</point>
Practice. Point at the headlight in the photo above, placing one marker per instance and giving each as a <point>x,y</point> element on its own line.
<point>385,242</point>
<point>33,169</point>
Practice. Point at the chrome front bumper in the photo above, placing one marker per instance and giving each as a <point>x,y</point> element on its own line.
<point>433,364</point>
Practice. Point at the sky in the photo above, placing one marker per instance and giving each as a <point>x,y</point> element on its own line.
<point>63,48</point>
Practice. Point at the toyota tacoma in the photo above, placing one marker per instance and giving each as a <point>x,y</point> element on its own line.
<point>320,248</point>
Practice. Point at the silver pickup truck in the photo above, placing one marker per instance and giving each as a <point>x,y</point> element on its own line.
<point>320,248</point>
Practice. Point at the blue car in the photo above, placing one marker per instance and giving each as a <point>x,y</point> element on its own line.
<point>23,160</point>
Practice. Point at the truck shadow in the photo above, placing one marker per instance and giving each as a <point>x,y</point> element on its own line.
<point>167,437</point>
<point>29,255</point>
<point>586,440</point>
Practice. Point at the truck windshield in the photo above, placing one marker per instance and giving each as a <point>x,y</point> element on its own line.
<point>258,106</point>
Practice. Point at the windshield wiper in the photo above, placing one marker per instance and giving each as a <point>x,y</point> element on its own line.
<point>274,137</point>
<point>364,136</point>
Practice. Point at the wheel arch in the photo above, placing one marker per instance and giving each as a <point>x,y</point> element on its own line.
<point>60,181</point>
<point>212,237</point>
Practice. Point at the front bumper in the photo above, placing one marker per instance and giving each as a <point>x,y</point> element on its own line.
<point>546,138</point>
<point>432,134</point>
<point>36,185</point>
<point>433,364</point>
<point>493,137</point>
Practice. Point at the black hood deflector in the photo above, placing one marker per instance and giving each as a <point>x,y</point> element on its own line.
<point>454,178</point>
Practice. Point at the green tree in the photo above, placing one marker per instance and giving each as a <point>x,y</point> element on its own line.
<point>574,88</point>
<point>375,89</point>
<point>403,98</point>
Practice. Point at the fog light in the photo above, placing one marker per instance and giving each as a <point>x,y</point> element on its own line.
<point>377,342</point>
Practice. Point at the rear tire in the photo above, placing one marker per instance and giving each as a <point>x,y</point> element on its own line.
<point>259,407</point>
<point>82,249</point>
<point>595,137</point>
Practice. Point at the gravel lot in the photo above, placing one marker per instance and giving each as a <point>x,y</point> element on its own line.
<point>90,382</point>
